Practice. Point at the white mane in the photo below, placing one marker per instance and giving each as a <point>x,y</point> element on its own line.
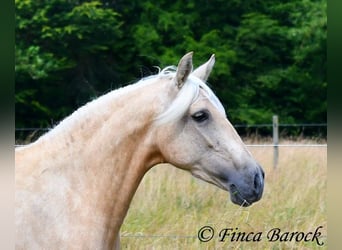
<point>186,96</point>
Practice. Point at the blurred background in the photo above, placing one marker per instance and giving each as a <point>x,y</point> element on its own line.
<point>270,57</point>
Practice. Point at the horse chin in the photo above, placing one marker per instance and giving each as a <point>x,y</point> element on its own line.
<point>237,198</point>
<point>235,195</point>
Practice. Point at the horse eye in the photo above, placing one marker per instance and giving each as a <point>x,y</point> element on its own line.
<point>200,116</point>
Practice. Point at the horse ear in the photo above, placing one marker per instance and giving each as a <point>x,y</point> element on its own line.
<point>203,71</point>
<point>184,69</point>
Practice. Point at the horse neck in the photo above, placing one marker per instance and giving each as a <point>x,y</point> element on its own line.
<point>104,149</point>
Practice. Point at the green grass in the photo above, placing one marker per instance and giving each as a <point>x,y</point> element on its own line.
<point>170,205</point>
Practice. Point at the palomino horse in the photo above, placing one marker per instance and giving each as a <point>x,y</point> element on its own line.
<point>74,184</point>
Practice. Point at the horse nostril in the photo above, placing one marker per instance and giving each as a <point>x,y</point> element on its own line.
<point>258,181</point>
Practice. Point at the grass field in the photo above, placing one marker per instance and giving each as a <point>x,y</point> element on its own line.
<point>171,206</point>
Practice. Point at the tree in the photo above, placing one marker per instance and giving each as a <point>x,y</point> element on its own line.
<point>64,52</point>
<point>281,64</point>
<point>270,54</point>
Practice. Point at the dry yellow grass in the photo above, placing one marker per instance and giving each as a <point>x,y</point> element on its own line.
<point>171,206</point>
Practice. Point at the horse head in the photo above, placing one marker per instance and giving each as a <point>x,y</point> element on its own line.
<point>195,135</point>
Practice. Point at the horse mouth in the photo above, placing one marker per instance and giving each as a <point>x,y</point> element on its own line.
<point>237,198</point>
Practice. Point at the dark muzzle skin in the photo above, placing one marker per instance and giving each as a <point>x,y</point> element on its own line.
<point>245,197</point>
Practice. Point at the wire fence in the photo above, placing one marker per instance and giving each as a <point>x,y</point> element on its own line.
<point>237,126</point>
<point>265,125</point>
<point>318,130</point>
<point>159,236</point>
<point>281,125</point>
<point>286,145</point>
<point>34,133</point>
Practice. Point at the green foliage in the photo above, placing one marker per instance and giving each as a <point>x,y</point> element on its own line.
<point>271,55</point>
<point>282,59</point>
<point>35,64</point>
<point>64,52</point>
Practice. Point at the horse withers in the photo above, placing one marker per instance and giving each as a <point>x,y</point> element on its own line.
<point>74,184</point>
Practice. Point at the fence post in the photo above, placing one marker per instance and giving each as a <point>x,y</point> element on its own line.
<point>275,140</point>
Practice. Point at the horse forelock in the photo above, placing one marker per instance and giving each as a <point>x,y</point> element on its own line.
<point>185,97</point>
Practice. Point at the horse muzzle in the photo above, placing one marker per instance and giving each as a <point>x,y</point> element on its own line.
<point>246,196</point>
